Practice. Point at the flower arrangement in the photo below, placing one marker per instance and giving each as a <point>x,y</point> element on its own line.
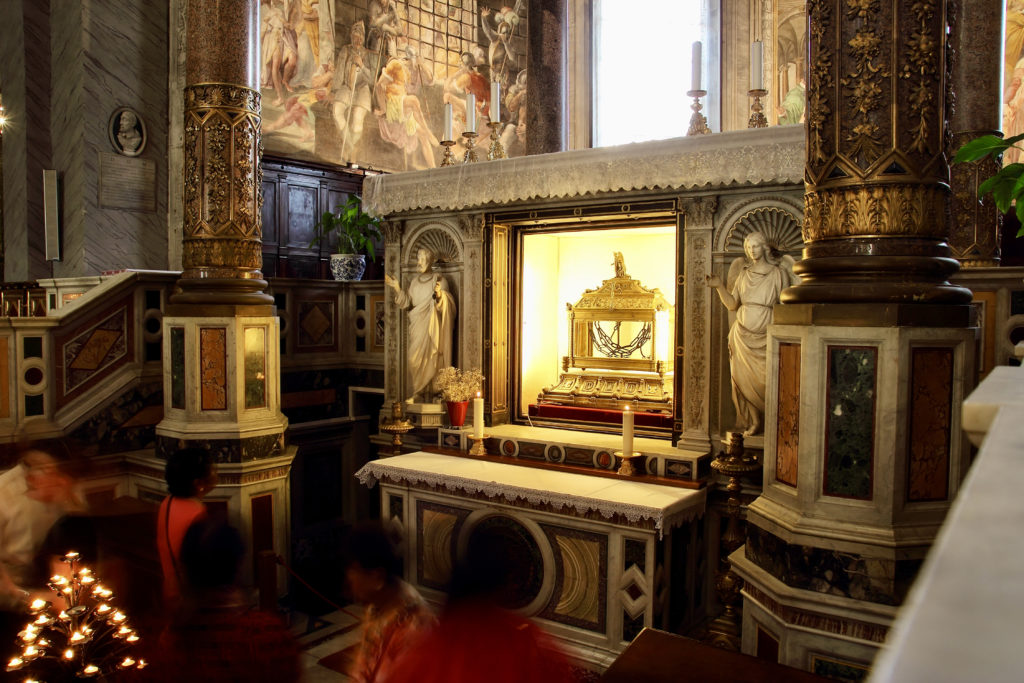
<point>87,638</point>
<point>458,385</point>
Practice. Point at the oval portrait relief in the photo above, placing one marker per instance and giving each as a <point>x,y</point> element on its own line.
<point>127,132</point>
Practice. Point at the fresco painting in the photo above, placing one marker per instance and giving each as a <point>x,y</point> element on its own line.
<point>365,82</point>
<point>789,80</point>
<point>1013,78</point>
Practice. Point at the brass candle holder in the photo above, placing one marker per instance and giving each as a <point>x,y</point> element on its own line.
<point>449,158</point>
<point>698,122</point>
<point>470,143</point>
<point>497,150</point>
<point>627,468</point>
<point>397,426</point>
<point>757,118</point>
<point>478,444</point>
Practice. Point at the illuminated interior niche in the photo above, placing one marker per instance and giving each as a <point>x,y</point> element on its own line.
<point>558,268</point>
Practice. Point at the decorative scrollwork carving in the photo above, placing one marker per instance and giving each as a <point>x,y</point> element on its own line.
<point>696,362</point>
<point>864,85</point>
<point>875,210</point>
<point>440,243</point>
<point>922,59</point>
<point>780,228</point>
<point>700,210</point>
<point>819,103</point>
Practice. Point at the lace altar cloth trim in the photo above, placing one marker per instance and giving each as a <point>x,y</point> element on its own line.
<point>757,156</point>
<point>682,505</point>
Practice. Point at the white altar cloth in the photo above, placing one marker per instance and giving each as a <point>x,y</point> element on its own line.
<point>666,506</point>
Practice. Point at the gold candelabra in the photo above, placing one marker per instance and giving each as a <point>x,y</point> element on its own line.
<point>497,150</point>
<point>88,638</point>
<point>698,122</point>
<point>757,118</point>
<point>397,426</point>
<point>627,468</point>
<point>478,444</point>
<point>449,158</point>
<point>470,143</point>
<point>736,462</point>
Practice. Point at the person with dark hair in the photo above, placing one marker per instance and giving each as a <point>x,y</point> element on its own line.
<point>395,613</point>
<point>190,475</point>
<point>478,638</point>
<point>218,634</point>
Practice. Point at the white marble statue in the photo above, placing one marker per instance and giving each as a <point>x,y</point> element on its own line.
<point>754,285</point>
<point>431,321</point>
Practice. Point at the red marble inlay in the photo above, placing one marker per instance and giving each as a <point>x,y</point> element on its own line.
<point>213,367</point>
<point>5,399</point>
<point>787,437</point>
<point>931,396</point>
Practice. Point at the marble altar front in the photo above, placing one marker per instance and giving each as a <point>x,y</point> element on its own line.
<point>602,557</point>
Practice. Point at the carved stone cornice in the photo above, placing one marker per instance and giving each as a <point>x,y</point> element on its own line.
<point>699,211</point>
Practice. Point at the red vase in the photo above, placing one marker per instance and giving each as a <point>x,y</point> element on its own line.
<point>457,412</point>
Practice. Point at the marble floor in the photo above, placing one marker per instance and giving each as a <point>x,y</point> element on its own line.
<point>322,637</point>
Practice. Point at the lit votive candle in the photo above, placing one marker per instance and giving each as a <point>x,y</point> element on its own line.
<point>627,431</point>
<point>478,416</point>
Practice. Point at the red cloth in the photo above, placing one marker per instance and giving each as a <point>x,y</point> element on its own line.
<point>480,642</point>
<point>176,515</point>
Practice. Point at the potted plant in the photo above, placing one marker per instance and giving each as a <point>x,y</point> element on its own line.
<point>457,387</point>
<point>356,233</point>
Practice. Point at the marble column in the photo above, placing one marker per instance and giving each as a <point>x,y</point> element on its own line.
<point>975,224</point>
<point>545,85</point>
<point>877,179</point>
<point>221,334</point>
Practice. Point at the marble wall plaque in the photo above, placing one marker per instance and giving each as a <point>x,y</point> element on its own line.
<point>127,183</point>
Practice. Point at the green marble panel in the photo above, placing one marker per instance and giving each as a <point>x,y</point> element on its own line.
<point>839,671</point>
<point>178,367</point>
<point>850,420</point>
<point>255,367</point>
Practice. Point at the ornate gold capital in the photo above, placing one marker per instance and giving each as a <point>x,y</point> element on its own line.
<point>699,210</point>
<point>875,211</point>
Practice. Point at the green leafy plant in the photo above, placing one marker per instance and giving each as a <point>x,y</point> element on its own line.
<point>1007,185</point>
<point>356,230</point>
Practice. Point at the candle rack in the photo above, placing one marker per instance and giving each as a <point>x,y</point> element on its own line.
<point>470,143</point>
<point>478,444</point>
<point>497,150</point>
<point>757,118</point>
<point>627,468</point>
<point>449,158</point>
<point>698,122</point>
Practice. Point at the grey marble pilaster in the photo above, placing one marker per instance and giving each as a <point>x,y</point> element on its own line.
<point>545,85</point>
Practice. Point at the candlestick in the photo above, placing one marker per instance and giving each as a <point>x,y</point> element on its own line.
<point>478,447</point>
<point>449,158</point>
<point>478,416</point>
<point>698,123</point>
<point>470,113</point>
<point>470,143</point>
<point>495,101</point>
<point>497,150</point>
<point>627,430</point>
<point>448,122</point>
<point>697,67</point>
<point>757,119</point>
<point>757,65</point>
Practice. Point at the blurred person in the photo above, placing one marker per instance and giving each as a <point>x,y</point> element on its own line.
<point>478,638</point>
<point>218,634</point>
<point>190,474</point>
<point>396,614</point>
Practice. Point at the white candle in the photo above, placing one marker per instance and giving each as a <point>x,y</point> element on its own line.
<point>627,431</point>
<point>695,81</point>
<point>470,113</point>
<point>448,121</point>
<point>478,417</point>
<point>495,101</point>
<point>757,65</point>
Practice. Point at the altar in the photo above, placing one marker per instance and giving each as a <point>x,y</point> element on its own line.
<point>601,556</point>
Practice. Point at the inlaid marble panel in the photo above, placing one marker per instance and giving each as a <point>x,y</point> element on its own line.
<point>94,350</point>
<point>255,367</point>
<point>850,421</point>
<point>635,554</point>
<point>787,439</point>
<point>579,596</point>
<point>838,670</point>
<point>5,378</point>
<point>931,396</point>
<point>316,324</point>
<point>213,368</point>
<point>437,528</point>
<point>178,367</point>
<point>522,556</point>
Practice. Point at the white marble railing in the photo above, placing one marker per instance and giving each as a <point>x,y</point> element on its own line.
<point>744,158</point>
<point>962,620</point>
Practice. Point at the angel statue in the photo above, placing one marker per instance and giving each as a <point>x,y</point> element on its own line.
<point>754,285</point>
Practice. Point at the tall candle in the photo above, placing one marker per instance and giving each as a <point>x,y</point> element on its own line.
<point>627,431</point>
<point>495,101</point>
<point>757,65</point>
<point>696,66</point>
<point>478,416</point>
<point>470,113</point>
<point>448,121</point>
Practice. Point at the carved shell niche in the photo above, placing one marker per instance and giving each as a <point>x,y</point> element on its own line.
<point>440,243</point>
<point>779,227</point>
